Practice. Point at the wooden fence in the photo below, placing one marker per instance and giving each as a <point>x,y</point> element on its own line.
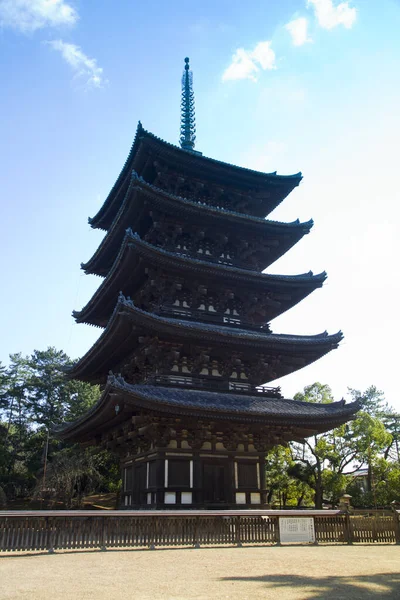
<point>56,530</point>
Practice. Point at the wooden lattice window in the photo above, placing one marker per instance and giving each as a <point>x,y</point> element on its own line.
<point>247,475</point>
<point>152,474</point>
<point>183,243</point>
<point>179,473</point>
<point>205,248</point>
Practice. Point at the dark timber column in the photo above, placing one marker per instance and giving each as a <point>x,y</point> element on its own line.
<point>126,499</point>
<point>231,491</point>
<point>263,491</point>
<point>160,475</point>
<point>197,480</point>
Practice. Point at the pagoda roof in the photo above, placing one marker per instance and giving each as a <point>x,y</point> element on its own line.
<point>146,143</point>
<point>140,193</point>
<point>125,275</point>
<point>303,418</point>
<point>127,322</point>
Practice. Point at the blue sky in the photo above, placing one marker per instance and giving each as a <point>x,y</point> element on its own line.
<point>287,86</point>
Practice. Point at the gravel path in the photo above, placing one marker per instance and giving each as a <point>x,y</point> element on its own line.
<point>284,573</point>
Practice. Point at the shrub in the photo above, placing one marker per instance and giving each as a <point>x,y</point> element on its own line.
<point>3,499</point>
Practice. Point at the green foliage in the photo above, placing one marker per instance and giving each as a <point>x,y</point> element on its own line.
<point>52,398</point>
<point>109,468</point>
<point>324,459</point>
<point>334,484</point>
<point>3,386</point>
<point>385,485</point>
<point>391,421</point>
<point>284,488</point>
<point>3,499</point>
<point>71,475</point>
<point>369,437</point>
<point>372,400</point>
<point>35,395</point>
<point>317,392</point>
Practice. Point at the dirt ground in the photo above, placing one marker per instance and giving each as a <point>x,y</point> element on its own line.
<point>284,573</point>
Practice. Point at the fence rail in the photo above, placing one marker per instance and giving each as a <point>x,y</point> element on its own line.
<point>56,530</point>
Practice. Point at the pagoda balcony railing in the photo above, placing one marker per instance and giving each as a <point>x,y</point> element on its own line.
<point>212,384</point>
<point>207,316</point>
<point>237,262</point>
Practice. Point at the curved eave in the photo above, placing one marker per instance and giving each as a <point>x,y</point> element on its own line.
<point>127,322</point>
<point>140,192</point>
<point>273,412</point>
<point>208,168</point>
<point>111,205</point>
<point>205,165</point>
<point>121,277</point>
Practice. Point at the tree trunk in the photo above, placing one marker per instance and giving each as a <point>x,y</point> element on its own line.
<point>369,478</point>
<point>318,486</point>
<point>318,497</point>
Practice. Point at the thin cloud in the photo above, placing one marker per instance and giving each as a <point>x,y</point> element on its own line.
<point>83,66</point>
<point>330,16</point>
<point>298,29</point>
<point>246,64</point>
<point>30,15</point>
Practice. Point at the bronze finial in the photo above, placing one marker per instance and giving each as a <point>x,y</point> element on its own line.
<point>188,123</point>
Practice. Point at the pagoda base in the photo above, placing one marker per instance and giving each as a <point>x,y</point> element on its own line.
<point>196,449</point>
<point>210,477</point>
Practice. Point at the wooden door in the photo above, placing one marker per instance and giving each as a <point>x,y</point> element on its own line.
<point>139,484</point>
<point>214,483</point>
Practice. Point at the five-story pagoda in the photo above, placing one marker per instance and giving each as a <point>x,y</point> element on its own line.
<point>187,347</point>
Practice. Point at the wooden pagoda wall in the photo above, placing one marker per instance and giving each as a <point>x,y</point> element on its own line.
<point>189,478</point>
<point>181,463</point>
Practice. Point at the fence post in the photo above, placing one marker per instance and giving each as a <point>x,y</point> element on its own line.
<point>374,528</point>
<point>348,528</point>
<point>152,537</point>
<point>345,507</point>
<point>316,530</point>
<point>3,523</point>
<point>103,547</point>
<point>396,521</point>
<point>196,543</point>
<point>277,532</point>
<point>51,532</point>
<point>237,532</point>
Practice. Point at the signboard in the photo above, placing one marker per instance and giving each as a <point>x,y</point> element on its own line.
<point>296,529</point>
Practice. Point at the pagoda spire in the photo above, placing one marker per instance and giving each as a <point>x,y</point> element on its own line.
<point>188,123</point>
